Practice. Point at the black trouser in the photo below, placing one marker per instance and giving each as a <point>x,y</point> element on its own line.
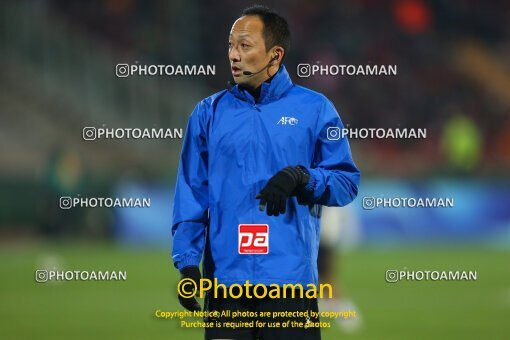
<point>257,306</point>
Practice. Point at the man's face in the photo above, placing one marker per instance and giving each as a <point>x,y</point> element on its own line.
<point>247,51</point>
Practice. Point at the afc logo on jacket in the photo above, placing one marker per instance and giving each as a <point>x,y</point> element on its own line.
<point>287,121</point>
<point>253,239</point>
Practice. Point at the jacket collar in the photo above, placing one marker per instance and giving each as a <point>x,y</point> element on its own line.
<point>277,88</point>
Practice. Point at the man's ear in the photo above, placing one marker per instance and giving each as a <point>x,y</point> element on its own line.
<point>277,54</point>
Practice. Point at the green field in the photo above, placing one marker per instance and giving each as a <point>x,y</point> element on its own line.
<point>111,310</point>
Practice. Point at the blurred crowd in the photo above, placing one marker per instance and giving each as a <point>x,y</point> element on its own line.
<point>447,53</point>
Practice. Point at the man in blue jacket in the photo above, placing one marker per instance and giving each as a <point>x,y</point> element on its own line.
<point>258,161</point>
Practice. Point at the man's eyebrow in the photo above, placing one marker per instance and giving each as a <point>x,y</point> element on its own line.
<point>241,35</point>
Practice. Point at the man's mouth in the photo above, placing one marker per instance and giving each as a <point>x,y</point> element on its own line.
<point>236,71</point>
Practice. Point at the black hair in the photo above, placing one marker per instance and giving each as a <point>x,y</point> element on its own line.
<point>276,29</point>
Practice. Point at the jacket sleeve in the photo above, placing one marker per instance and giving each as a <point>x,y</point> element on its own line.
<point>334,178</point>
<point>191,202</point>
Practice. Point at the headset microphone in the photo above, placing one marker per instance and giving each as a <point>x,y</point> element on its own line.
<point>248,73</point>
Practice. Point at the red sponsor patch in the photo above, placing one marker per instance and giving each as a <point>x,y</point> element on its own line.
<point>253,239</point>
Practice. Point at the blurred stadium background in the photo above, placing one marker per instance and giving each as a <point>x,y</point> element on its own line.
<point>58,75</point>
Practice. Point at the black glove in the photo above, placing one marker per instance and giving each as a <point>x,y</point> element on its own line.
<point>193,273</point>
<point>280,187</point>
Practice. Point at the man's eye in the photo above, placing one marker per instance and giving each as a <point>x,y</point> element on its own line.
<point>244,45</point>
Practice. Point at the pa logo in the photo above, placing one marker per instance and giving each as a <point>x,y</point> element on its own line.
<point>253,239</point>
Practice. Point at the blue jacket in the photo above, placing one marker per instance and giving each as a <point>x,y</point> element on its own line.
<point>232,147</point>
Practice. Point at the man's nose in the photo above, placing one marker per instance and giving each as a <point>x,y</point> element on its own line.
<point>233,55</point>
